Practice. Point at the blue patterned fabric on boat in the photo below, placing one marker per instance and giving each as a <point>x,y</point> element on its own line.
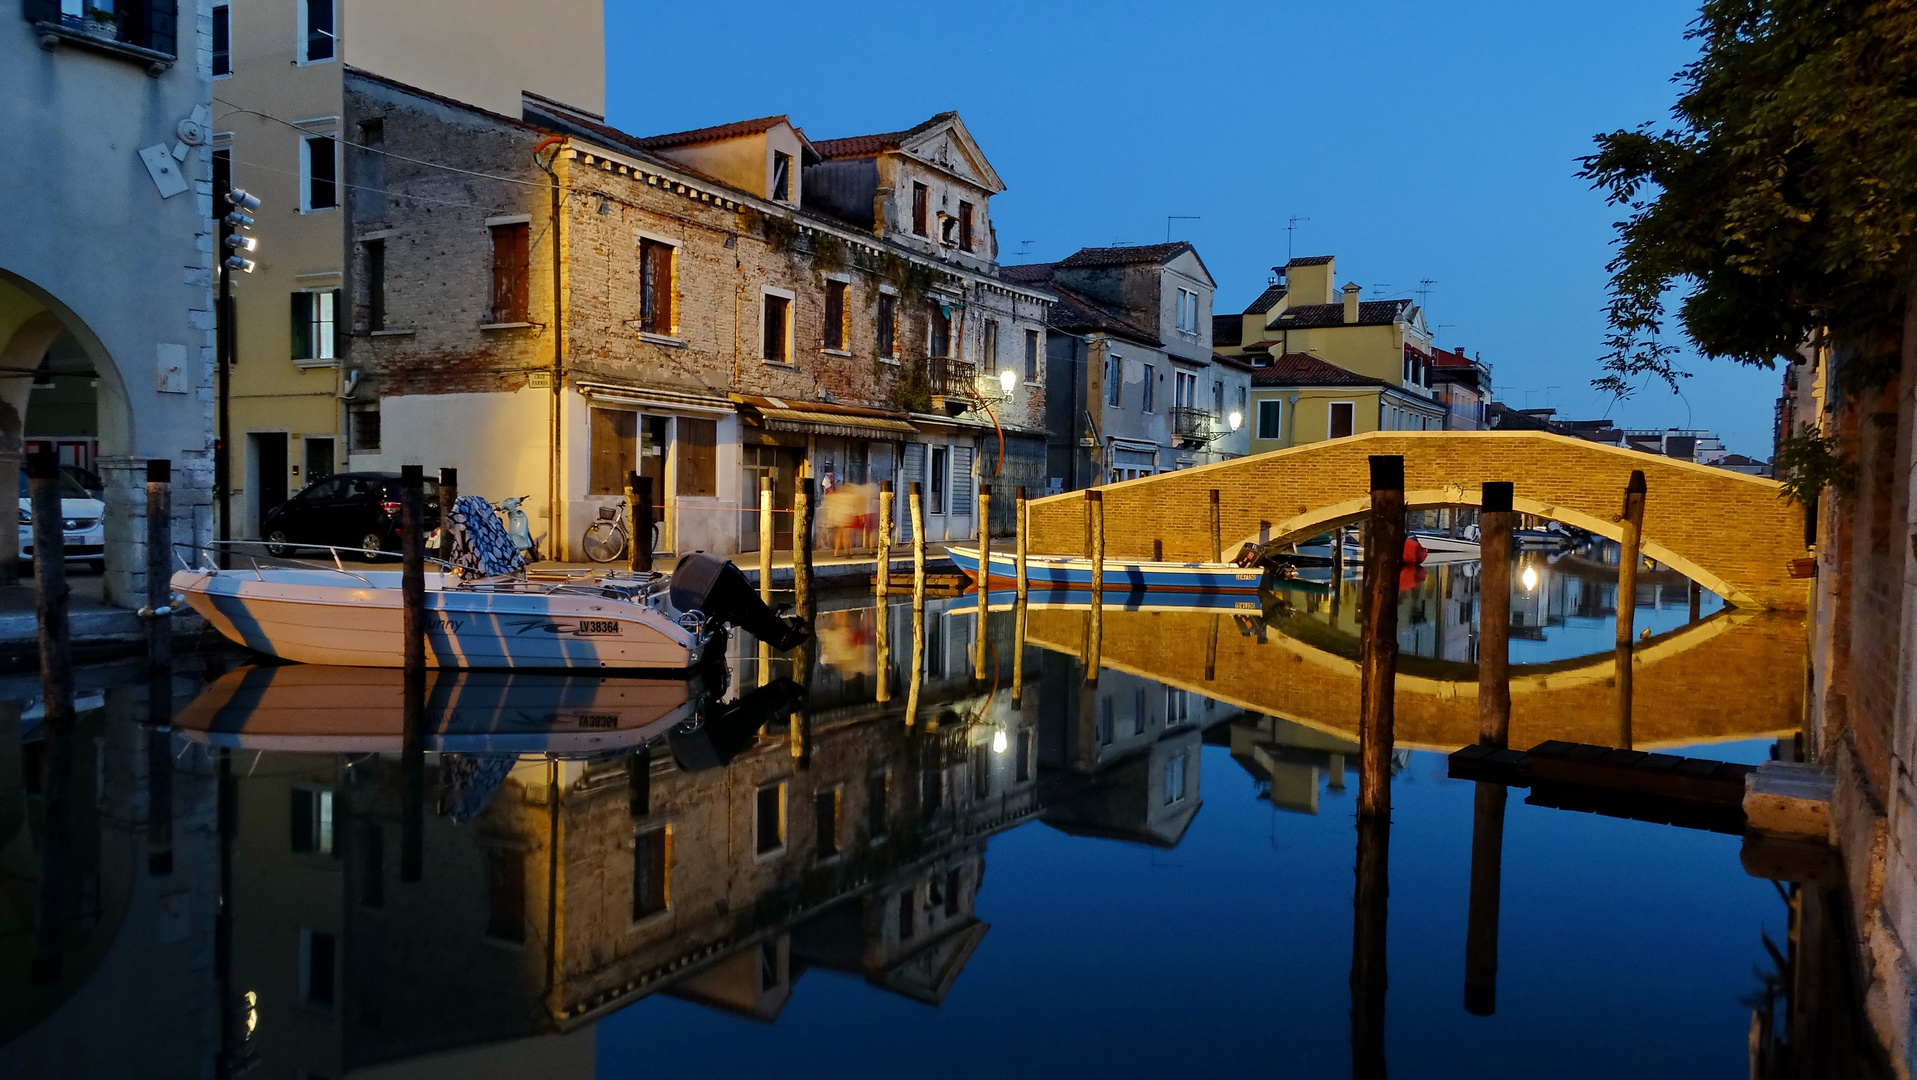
<point>481,547</point>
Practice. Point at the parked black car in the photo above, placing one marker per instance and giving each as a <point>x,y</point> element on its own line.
<point>350,510</point>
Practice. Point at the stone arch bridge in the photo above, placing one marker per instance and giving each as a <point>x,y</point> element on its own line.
<point>1730,532</point>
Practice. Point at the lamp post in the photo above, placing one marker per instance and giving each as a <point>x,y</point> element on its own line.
<point>1007,382</point>
<point>234,238</point>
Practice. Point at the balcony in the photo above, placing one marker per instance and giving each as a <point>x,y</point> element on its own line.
<point>953,383</point>
<point>1192,425</point>
<point>135,29</point>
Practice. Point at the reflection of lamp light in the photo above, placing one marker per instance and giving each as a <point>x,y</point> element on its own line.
<point>1530,578</point>
<point>1235,419</point>
<point>998,741</point>
<point>1007,380</point>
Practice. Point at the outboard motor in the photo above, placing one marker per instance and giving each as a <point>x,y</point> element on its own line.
<point>713,586</point>
<point>730,729</point>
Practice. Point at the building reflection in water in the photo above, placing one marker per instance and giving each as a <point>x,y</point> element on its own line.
<point>588,842</point>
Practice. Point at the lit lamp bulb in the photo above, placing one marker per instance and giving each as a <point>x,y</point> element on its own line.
<point>1530,578</point>
<point>1236,418</point>
<point>1007,381</point>
<point>998,741</point>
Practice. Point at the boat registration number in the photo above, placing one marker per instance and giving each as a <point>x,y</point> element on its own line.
<point>598,626</point>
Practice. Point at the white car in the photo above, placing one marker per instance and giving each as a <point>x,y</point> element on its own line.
<point>81,524</point>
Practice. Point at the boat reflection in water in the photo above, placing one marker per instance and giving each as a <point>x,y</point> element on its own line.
<point>585,844</point>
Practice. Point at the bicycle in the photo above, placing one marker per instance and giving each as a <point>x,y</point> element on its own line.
<point>606,538</point>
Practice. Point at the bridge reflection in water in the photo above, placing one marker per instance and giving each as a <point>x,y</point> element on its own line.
<point>591,843</point>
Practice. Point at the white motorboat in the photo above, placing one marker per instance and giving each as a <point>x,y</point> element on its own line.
<point>567,619</point>
<point>1438,543</point>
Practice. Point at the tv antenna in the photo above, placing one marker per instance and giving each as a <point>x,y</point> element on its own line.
<point>1291,234</point>
<point>1424,291</point>
<point>1025,247</point>
<point>1169,218</point>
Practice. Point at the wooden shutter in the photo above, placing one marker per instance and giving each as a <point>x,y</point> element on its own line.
<point>962,481</point>
<point>511,253</point>
<point>662,314</point>
<point>161,32</point>
<point>698,464</point>
<point>302,326</point>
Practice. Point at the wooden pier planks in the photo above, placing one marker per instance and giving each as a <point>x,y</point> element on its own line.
<point>1691,792</point>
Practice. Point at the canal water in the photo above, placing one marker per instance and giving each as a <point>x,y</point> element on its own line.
<point>914,849</point>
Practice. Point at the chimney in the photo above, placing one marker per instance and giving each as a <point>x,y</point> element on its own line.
<point>1351,303</point>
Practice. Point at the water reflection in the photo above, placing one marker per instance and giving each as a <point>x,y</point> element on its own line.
<point>591,847</point>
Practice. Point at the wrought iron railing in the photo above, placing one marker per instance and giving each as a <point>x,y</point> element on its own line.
<point>951,377</point>
<point>1189,421</point>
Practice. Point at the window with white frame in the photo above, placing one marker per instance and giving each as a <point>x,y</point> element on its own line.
<point>316,325</point>
<point>1270,412</point>
<point>319,173</point>
<point>1175,769</point>
<point>1187,315</point>
<point>222,40</point>
<point>316,37</point>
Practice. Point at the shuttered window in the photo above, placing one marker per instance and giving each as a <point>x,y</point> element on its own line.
<point>834,335</point>
<point>512,256</point>
<point>655,288</point>
<point>888,328</point>
<point>962,480</point>
<point>698,457</point>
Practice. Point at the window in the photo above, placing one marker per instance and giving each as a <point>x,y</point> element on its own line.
<point>316,31</point>
<point>1022,757</point>
<point>1114,382</point>
<point>770,812</point>
<point>365,429</point>
<point>834,336</point>
<point>1269,412</point>
<point>1185,390</point>
<point>375,252</point>
<point>1187,313</point>
<point>941,456</point>
<point>825,811</point>
<point>921,209</point>
<point>651,872</point>
<point>1031,356</point>
<point>615,450</point>
<point>888,325</point>
<point>372,865</point>
<point>506,894</point>
<point>1177,708</point>
<point>319,959</point>
<point>938,336</point>
<point>908,914</point>
<point>698,457</point>
<point>319,173</point>
<point>965,226</point>
<point>655,288</point>
<point>222,40</point>
<point>313,821</point>
<point>1138,710</point>
<point>781,176</point>
<point>316,325</point>
<point>1151,386</point>
<point>768,965</point>
<point>1102,730</point>
<point>876,788</point>
<point>1174,779</point>
<point>1341,419</point>
<point>1218,399</point>
<point>991,346</point>
<point>775,324</point>
<point>1243,394</point>
<point>512,261</point>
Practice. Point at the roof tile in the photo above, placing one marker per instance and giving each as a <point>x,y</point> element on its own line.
<point>1304,369</point>
<point>1370,313</point>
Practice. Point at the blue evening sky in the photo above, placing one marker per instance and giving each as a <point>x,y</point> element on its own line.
<point>1423,141</point>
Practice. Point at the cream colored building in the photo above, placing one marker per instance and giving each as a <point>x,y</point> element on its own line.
<point>277,107</point>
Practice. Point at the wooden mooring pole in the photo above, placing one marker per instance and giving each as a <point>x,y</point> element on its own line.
<point>915,505</point>
<point>159,666</point>
<point>1370,907</point>
<point>1384,558</point>
<point>1697,600</point>
<point>412,586</point>
<point>766,535</point>
<point>882,661</point>
<point>1631,522</point>
<point>1481,920</point>
<point>1217,529</point>
<point>882,578</point>
<point>1022,541</point>
<point>981,638</point>
<point>448,495</point>
<point>639,520</point>
<point>1095,507</point>
<point>1494,613</point>
<point>50,596</point>
<point>802,518</point>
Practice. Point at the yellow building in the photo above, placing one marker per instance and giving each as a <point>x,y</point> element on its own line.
<point>277,103</point>
<point>1329,363</point>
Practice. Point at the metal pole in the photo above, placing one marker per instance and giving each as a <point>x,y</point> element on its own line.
<point>1384,557</point>
<point>640,517</point>
<point>1494,614</point>
<point>1629,555</point>
<point>159,659</point>
<point>224,341</point>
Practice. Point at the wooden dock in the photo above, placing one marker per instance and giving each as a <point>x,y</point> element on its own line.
<point>1694,793</point>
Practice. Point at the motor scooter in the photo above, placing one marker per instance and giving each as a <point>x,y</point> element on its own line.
<point>518,527</point>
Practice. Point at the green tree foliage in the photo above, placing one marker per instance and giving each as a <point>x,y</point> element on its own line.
<point>1784,198</point>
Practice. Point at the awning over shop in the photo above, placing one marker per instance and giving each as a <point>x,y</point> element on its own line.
<point>660,400</point>
<point>822,418</point>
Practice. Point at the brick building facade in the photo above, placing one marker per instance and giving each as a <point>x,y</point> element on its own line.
<point>717,322</point>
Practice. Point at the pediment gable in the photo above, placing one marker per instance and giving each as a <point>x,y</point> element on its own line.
<point>946,145</point>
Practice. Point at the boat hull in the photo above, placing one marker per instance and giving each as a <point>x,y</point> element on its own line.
<point>1067,572</point>
<point>311,618</point>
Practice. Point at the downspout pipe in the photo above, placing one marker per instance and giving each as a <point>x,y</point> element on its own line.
<point>554,520</point>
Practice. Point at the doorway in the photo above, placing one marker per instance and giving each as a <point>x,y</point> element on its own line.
<point>266,473</point>
<point>319,460</point>
<point>781,463</point>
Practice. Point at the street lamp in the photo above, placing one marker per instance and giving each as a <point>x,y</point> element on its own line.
<point>1007,381</point>
<point>233,238</point>
<point>1530,578</point>
<point>1236,419</point>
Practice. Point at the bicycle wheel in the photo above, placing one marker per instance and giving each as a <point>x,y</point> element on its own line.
<point>603,541</point>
